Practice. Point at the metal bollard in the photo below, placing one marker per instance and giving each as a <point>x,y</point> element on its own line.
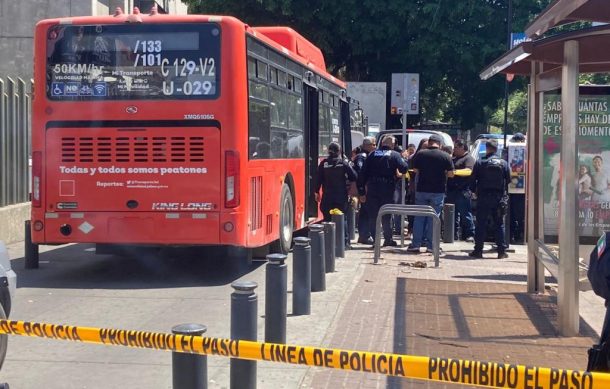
<point>448,223</point>
<point>243,327</point>
<point>318,261</point>
<point>329,246</point>
<point>276,300</point>
<point>339,221</point>
<point>301,277</point>
<point>351,222</point>
<point>189,371</point>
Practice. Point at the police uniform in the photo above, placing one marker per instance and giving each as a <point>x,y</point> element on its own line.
<point>332,173</point>
<point>490,178</point>
<point>364,233</point>
<point>377,182</point>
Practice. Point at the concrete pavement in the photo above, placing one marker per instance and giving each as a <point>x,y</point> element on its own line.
<point>476,309</point>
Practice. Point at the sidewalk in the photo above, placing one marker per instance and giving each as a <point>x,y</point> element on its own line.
<point>466,309</point>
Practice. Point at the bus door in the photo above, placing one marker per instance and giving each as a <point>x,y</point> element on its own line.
<point>346,132</point>
<point>311,149</point>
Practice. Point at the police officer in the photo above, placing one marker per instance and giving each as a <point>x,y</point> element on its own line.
<point>490,177</point>
<point>364,232</point>
<point>332,175</point>
<point>377,182</point>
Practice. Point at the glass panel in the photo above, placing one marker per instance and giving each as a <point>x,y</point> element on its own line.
<point>281,78</point>
<point>259,130</point>
<point>324,133</point>
<point>279,108</point>
<point>258,90</point>
<point>133,61</point>
<point>279,144</point>
<point>296,145</point>
<point>261,70</point>
<point>295,115</point>
<point>251,67</point>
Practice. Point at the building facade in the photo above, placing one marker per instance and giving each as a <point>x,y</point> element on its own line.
<point>18,18</point>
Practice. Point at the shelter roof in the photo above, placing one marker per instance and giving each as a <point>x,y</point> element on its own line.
<point>565,11</point>
<point>549,51</point>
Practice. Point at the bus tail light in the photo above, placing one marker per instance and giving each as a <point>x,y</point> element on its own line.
<point>231,179</point>
<point>36,177</point>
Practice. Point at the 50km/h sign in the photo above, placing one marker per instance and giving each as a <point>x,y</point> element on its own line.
<point>457,371</point>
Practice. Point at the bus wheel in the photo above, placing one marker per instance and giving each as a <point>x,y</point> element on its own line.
<point>286,224</point>
<point>31,249</point>
<point>3,339</point>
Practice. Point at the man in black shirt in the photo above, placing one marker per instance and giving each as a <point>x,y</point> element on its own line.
<point>332,174</point>
<point>458,190</point>
<point>432,166</point>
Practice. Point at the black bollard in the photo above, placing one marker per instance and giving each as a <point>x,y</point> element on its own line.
<point>339,221</point>
<point>351,222</point>
<point>301,277</point>
<point>329,246</point>
<point>448,223</point>
<point>189,371</point>
<point>243,327</point>
<point>318,262</point>
<point>276,300</point>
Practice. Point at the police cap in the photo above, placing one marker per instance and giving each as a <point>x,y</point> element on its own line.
<point>518,137</point>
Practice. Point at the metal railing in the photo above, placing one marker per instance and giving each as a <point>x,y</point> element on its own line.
<point>15,132</point>
<point>409,210</point>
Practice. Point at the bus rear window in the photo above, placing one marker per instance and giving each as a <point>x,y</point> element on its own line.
<point>133,61</point>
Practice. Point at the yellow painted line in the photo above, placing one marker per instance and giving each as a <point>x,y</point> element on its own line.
<point>474,373</point>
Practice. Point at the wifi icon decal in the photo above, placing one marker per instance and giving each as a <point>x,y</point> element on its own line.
<point>99,89</point>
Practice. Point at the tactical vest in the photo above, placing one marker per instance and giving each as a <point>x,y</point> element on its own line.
<point>491,177</point>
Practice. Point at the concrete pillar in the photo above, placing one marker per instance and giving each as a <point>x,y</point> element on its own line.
<point>568,213</point>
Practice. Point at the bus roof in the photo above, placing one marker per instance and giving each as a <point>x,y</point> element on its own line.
<point>283,39</point>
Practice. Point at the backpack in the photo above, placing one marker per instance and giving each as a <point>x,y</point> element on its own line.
<point>491,177</point>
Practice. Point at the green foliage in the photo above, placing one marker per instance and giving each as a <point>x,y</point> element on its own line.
<point>517,113</point>
<point>447,41</point>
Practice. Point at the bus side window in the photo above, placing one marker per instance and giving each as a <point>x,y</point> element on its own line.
<point>279,108</point>
<point>259,130</point>
<point>251,68</point>
<point>261,70</point>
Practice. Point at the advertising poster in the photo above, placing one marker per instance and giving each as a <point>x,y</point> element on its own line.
<point>593,145</point>
<point>516,163</point>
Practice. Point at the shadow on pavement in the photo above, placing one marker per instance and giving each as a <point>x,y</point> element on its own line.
<point>78,267</point>
<point>506,277</point>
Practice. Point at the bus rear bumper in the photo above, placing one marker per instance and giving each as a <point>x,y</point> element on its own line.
<point>179,228</point>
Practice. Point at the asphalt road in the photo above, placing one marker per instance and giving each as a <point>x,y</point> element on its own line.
<point>148,292</point>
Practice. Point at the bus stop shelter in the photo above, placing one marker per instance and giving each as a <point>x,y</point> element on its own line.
<point>554,63</point>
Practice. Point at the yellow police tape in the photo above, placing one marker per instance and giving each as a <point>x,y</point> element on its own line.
<point>485,374</point>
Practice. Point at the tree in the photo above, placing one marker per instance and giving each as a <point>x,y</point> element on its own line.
<point>447,41</point>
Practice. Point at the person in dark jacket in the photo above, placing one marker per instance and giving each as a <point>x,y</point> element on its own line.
<point>490,177</point>
<point>364,232</point>
<point>332,175</point>
<point>458,190</point>
<point>377,182</point>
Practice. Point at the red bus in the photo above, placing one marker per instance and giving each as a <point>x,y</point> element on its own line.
<point>161,130</point>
